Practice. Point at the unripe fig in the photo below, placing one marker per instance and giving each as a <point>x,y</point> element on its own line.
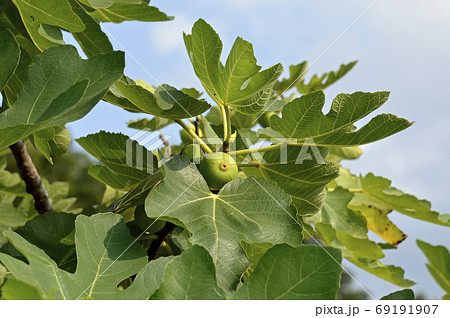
<point>264,119</point>
<point>218,168</point>
<point>145,223</point>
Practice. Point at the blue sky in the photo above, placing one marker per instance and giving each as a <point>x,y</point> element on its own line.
<point>402,46</point>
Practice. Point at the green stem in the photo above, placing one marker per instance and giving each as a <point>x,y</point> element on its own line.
<point>193,135</point>
<point>260,149</point>
<point>226,127</point>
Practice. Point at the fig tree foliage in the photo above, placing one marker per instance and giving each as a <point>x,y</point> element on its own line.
<point>253,204</point>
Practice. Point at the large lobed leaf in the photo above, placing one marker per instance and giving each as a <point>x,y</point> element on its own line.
<point>303,120</point>
<point>239,83</point>
<point>283,272</point>
<point>59,87</point>
<point>253,210</point>
<point>102,243</point>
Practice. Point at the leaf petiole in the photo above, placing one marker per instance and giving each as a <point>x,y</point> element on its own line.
<point>226,127</point>
<point>260,149</point>
<point>193,135</point>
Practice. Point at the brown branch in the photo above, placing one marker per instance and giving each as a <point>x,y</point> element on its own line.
<point>197,126</point>
<point>166,144</point>
<point>31,177</point>
<point>156,244</point>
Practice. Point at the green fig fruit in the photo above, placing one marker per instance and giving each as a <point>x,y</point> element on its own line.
<point>264,119</point>
<point>218,168</point>
<point>145,223</point>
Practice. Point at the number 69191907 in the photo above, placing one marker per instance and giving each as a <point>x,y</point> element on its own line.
<point>406,309</point>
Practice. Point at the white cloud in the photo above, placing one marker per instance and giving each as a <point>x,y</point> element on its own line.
<point>167,37</point>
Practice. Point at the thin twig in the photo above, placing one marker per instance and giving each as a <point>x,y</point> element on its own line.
<point>166,143</point>
<point>31,177</point>
<point>197,126</point>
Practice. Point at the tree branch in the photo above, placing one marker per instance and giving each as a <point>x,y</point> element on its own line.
<point>31,177</point>
<point>166,144</point>
<point>156,244</point>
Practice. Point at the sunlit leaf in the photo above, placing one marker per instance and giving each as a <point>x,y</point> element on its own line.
<point>322,82</point>
<point>120,12</point>
<point>303,120</point>
<point>99,4</point>
<point>239,83</point>
<point>377,218</point>
<point>380,190</point>
<point>56,13</point>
